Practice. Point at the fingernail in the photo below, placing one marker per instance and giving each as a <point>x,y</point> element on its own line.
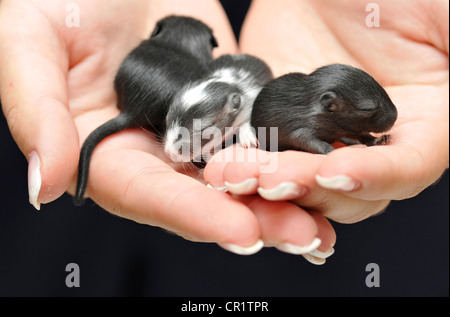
<point>34,179</point>
<point>220,188</point>
<point>284,191</point>
<point>313,259</point>
<point>340,182</point>
<point>243,250</point>
<point>248,186</point>
<point>322,254</point>
<point>295,249</point>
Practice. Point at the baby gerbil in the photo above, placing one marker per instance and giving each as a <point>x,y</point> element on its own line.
<point>334,103</point>
<point>210,111</point>
<point>178,51</point>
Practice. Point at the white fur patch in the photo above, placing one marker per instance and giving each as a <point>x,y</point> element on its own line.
<point>226,75</point>
<point>177,149</point>
<point>171,137</point>
<point>194,95</point>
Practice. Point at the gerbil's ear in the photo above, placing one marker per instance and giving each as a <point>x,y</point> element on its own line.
<point>156,30</point>
<point>234,102</point>
<point>214,42</point>
<point>330,102</point>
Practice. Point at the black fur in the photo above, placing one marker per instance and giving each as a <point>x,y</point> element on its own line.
<point>335,102</point>
<point>178,51</point>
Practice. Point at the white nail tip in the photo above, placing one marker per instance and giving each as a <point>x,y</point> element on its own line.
<point>314,260</point>
<point>282,191</point>
<point>222,189</point>
<point>322,255</point>
<point>341,182</point>
<point>34,180</point>
<point>295,249</point>
<point>243,250</point>
<point>246,187</point>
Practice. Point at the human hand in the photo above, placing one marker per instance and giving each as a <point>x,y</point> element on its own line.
<point>408,55</point>
<point>56,86</point>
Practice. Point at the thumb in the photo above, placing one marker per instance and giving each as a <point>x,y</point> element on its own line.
<point>34,101</point>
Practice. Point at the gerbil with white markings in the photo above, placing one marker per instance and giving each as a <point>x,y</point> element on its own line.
<point>177,52</point>
<point>209,112</point>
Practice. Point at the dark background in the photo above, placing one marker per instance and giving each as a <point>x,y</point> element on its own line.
<point>117,257</point>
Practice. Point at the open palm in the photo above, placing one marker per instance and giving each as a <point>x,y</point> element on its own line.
<point>57,86</point>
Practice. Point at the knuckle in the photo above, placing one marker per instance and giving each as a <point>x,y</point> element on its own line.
<point>12,115</point>
<point>361,212</point>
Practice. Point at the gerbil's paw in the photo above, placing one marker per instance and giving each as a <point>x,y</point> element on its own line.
<point>384,139</point>
<point>247,138</point>
<point>248,142</point>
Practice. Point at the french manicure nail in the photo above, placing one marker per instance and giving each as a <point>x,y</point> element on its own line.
<point>340,182</point>
<point>313,259</point>
<point>284,191</point>
<point>34,179</point>
<point>295,249</point>
<point>234,248</point>
<point>246,187</point>
<point>219,188</point>
<point>322,254</point>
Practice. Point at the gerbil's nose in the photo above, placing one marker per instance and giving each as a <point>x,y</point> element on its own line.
<point>171,153</point>
<point>385,118</point>
<point>391,115</point>
<point>394,114</point>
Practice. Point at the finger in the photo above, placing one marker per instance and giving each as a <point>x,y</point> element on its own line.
<point>398,171</point>
<point>237,169</point>
<point>284,224</point>
<point>138,186</point>
<point>291,229</point>
<point>305,227</point>
<point>327,235</point>
<point>241,176</point>
<point>34,101</point>
<point>293,179</point>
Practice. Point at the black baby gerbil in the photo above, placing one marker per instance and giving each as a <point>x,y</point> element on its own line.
<point>334,103</point>
<point>209,111</point>
<point>178,51</point>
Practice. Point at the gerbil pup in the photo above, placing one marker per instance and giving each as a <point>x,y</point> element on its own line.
<point>334,103</point>
<point>178,51</point>
<point>209,112</point>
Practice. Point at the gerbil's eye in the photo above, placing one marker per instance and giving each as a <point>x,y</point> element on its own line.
<point>332,107</point>
<point>368,106</point>
<point>367,113</point>
<point>214,41</point>
<point>156,30</point>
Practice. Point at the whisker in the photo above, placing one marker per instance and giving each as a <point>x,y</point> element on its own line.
<point>158,134</point>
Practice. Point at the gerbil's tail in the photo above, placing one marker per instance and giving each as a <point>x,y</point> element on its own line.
<point>112,126</point>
